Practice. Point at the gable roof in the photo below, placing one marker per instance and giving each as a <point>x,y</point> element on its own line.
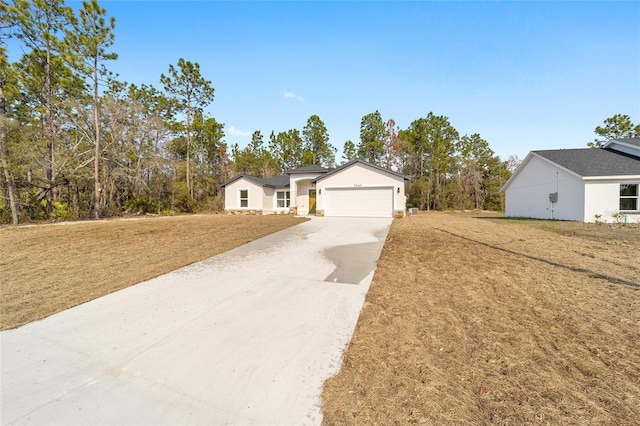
<point>358,161</point>
<point>314,168</point>
<point>280,181</point>
<point>593,162</point>
<point>586,163</point>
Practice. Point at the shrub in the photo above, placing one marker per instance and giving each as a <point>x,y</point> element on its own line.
<point>5,215</point>
<point>618,217</point>
<point>214,204</point>
<point>141,205</point>
<point>60,211</point>
<point>182,202</point>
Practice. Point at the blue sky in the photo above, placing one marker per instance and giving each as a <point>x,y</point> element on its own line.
<point>525,75</point>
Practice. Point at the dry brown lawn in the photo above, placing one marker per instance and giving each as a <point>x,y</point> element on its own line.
<point>45,269</point>
<point>490,321</point>
<point>468,320</point>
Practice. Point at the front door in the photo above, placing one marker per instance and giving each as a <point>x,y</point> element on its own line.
<point>312,201</point>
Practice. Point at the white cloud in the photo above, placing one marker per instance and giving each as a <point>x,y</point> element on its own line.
<point>237,132</point>
<point>290,95</point>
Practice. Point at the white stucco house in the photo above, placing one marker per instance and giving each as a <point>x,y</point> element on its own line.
<point>357,189</point>
<point>586,185</point>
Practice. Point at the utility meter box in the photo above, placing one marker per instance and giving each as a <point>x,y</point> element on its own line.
<point>553,197</point>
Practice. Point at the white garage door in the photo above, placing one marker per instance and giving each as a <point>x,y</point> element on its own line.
<point>359,202</point>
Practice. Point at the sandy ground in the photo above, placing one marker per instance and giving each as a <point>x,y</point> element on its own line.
<point>487,321</point>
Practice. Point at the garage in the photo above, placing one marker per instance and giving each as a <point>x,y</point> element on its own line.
<point>359,202</point>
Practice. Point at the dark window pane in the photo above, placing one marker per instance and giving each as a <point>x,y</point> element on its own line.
<point>244,198</point>
<point>628,190</point>
<point>628,204</point>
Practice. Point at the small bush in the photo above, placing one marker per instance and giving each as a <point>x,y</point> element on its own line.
<point>36,211</point>
<point>60,211</point>
<point>5,215</point>
<point>214,204</point>
<point>618,217</point>
<point>141,206</point>
<point>182,201</point>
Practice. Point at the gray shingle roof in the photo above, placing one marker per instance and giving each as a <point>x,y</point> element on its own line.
<point>594,162</point>
<point>358,161</point>
<point>314,168</point>
<point>281,181</point>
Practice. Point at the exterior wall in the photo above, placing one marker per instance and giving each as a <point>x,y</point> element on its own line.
<point>232,196</point>
<point>269,201</point>
<point>528,193</point>
<point>302,197</point>
<point>359,175</point>
<point>300,184</point>
<point>602,197</point>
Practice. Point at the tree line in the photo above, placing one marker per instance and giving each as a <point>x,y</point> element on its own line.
<point>78,142</point>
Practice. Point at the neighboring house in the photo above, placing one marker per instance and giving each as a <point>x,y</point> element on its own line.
<point>357,188</point>
<point>586,185</point>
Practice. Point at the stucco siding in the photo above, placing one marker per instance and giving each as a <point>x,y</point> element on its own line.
<point>232,195</point>
<point>302,197</point>
<point>528,193</point>
<point>300,186</point>
<point>603,198</point>
<point>269,202</point>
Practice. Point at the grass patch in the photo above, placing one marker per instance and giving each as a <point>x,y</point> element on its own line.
<point>49,268</point>
<point>472,321</point>
<point>593,231</point>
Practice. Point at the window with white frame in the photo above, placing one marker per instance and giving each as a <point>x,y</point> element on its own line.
<point>244,198</point>
<point>629,196</point>
<point>283,199</point>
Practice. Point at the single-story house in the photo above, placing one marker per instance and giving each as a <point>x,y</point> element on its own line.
<point>357,188</point>
<point>586,185</point>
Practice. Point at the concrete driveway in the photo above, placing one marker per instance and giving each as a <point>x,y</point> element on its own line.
<point>245,337</point>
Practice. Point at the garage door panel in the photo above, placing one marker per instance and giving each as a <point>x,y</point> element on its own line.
<point>359,202</point>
